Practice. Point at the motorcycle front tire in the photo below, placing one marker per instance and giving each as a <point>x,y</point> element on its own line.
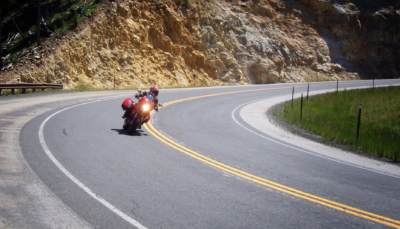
<point>134,126</point>
<point>126,124</point>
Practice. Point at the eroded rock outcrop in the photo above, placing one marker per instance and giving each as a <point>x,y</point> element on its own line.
<point>363,35</point>
<point>208,42</point>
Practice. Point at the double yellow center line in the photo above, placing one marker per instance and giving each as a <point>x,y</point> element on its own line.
<point>285,189</point>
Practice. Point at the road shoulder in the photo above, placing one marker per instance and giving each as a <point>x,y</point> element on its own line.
<point>259,116</point>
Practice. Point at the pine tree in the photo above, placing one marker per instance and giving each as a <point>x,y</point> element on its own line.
<point>38,23</point>
<point>4,4</point>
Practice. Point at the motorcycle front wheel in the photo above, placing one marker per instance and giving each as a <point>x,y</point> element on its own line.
<point>133,127</point>
<point>126,124</point>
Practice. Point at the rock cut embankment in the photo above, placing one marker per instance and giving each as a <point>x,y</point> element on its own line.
<point>171,43</point>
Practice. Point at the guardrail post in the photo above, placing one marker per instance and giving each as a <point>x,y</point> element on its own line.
<point>373,82</point>
<point>308,89</point>
<point>13,91</point>
<point>0,92</point>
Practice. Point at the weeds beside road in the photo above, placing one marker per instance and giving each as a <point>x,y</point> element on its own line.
<point>334,116</point>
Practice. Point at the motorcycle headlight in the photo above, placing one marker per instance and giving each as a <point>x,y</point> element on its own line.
<point>146,107</point>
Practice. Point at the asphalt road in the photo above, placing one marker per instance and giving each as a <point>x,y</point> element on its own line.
<point>196,166</point>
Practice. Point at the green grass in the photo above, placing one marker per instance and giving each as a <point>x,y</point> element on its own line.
<point>334,116</point>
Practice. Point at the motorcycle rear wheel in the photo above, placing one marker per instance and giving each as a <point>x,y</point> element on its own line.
<point>133,127</point>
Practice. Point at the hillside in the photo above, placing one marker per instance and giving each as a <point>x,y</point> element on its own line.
<point>200,42</point>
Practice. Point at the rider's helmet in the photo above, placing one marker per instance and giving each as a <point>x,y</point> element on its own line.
<point>154,90</point>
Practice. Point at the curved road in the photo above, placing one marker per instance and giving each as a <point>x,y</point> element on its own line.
<point>205,161</point>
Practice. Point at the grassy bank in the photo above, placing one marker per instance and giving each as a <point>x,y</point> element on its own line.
<point>334,116</point>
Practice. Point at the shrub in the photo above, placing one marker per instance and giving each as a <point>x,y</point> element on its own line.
<point>185,3</point>
<point>75,20</point>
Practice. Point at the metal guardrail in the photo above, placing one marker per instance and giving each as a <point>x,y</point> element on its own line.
<point>24,86</point>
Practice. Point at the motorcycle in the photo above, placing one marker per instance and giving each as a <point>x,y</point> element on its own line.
<point>137,113</point>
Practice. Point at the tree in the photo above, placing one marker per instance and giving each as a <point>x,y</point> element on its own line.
<point>38,23</point>
<point>4,4</point>
<point>29,5</point>
<point>1,46</point>
<point>15,24</point>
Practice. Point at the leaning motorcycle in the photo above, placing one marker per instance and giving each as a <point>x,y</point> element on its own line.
<point>137,113</point>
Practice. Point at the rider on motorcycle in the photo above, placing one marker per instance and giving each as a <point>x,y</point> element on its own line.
<point>153,96</point>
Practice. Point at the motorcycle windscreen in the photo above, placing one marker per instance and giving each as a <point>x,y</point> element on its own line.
<point>150,98</point>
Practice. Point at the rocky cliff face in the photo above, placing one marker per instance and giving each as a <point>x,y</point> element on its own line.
<point>363,35</point>
<point>172,43</point>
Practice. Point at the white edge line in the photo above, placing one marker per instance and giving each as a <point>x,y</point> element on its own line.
<point>74,179</point>
<point>301,150</point>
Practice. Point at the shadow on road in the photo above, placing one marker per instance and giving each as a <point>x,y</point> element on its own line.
<point>136,133</point>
